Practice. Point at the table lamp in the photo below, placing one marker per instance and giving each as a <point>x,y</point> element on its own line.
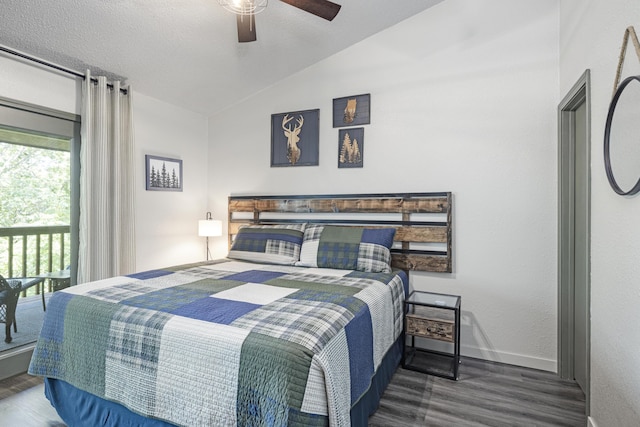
<point>209,228</point>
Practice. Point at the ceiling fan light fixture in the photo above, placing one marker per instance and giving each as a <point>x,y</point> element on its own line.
<point>244,7</point>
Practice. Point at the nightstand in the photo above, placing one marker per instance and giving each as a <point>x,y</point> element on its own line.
<point>435,317</point>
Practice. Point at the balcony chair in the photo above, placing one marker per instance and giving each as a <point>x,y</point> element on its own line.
<point>9,294</point>
<point>7,304</point>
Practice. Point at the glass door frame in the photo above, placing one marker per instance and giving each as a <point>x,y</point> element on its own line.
<point>47,121</point>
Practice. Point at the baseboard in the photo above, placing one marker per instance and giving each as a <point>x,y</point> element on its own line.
<point>550,365</point>
<point>591,422</point>
<point>15,361</point>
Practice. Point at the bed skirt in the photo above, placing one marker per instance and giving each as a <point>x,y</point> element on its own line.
<point>79,408</point>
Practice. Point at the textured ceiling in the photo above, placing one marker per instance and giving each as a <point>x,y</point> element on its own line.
<point>185,52</point>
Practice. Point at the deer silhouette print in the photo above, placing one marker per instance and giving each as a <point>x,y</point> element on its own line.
<point>292,132</point>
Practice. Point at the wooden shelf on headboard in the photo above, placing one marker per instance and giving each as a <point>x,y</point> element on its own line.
<point>419,218</point>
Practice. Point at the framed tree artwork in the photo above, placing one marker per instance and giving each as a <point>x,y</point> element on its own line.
<point>295,138</point>
<point>351,148</point>
<point>163,173</point>
<point>352,110</point>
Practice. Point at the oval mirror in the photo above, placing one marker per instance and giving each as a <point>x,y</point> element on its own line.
<point>622,138</point>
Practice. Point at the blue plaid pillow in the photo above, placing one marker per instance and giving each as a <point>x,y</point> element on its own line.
<point>347,248</point>
<point>273,244</point>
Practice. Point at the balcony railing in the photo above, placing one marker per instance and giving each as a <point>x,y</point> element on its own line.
<point>31,251</point>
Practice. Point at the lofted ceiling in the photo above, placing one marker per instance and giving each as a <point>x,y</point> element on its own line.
<point>186,52</point>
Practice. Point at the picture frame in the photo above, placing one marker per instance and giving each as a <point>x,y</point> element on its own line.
<point>352,110</point>
<point>351,148</point>
<point>163,173</point>
<point>295,138</point>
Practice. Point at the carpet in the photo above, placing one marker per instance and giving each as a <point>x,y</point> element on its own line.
<point>29,318</point>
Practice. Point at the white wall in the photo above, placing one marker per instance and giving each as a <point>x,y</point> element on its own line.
<point>166,222</point>
<point>464,99</point>
<point>591,37</point>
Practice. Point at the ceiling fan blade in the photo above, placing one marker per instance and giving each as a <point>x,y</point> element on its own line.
<point>322,8</point>
<point>246,28</point>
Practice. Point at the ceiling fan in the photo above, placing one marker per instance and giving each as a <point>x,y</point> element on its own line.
<point>246,10</point>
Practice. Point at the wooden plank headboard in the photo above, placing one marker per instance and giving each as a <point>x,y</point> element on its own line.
<point>422,221</point>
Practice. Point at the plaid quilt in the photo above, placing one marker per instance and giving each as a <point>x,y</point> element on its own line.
<point>225,343</point>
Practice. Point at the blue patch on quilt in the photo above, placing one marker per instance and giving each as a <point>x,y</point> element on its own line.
<point>50,342</point>
<point>53,327</point>
<point>379,236</point>
<point>360,342</point>
<point>149,274</point>
<point>254,276</point>
<point>216,310</point>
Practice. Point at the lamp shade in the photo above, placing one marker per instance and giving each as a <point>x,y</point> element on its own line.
<point>209,227</point>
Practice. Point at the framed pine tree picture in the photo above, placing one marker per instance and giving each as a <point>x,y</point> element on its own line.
<point>351,148</point>
<point>163,173</point>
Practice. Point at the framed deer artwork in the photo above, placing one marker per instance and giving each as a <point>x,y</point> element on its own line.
<point>295,138</point>
<point>352,110</point>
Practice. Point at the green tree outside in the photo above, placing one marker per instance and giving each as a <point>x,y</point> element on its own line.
<point>35,189</point>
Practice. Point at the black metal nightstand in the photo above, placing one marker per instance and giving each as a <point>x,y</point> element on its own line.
<point>436,317</point>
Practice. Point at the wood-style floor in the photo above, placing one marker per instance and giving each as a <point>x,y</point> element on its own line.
<point>487,394</point>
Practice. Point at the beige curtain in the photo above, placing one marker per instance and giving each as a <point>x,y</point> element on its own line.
<point>107,238</point>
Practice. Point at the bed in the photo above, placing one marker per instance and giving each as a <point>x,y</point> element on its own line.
<point>300,325</point>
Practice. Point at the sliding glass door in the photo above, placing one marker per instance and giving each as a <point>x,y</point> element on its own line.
<point>39,183</point>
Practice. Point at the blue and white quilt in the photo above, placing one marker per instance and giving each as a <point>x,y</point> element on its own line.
<point>225,343</point>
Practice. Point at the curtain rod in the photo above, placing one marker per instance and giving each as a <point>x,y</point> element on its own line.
<point>54,66</point>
